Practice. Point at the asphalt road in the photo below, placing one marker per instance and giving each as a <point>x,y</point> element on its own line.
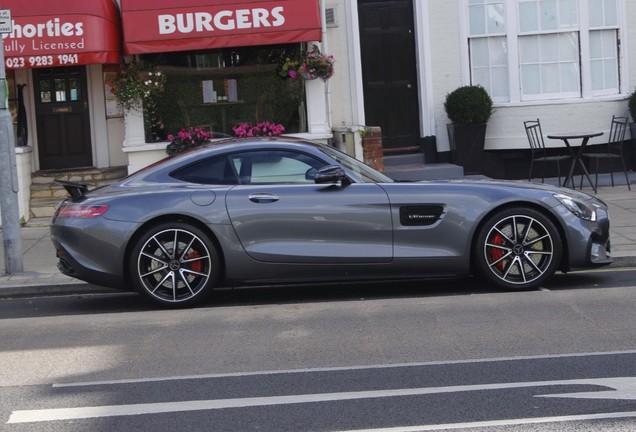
<point>391,357</point>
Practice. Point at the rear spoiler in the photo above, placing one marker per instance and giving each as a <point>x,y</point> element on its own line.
<point>75,190</point>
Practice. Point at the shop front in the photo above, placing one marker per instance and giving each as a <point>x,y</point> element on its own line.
<point>222,67</point>
<point>48,51</point>
<point>53,61</point>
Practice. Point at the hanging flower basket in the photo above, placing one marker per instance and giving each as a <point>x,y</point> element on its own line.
<point>308,65</point>
<point>138,83</point>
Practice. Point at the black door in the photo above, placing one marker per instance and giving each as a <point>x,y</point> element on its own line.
<point>389,71</point>
<point>63,121</point>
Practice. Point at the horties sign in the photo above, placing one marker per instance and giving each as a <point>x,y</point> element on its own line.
<point>83,35</point>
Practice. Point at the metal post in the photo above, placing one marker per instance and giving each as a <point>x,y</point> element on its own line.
<point>8,181</point>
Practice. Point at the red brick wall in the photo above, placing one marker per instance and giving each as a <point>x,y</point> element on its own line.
<point>372,148</point>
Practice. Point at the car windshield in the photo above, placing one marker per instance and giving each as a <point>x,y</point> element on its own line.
<point>365,172</point>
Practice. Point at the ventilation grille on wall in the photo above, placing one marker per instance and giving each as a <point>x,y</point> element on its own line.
<point>330,17</point>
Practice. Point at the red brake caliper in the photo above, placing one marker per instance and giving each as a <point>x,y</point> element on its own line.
<point>196,266</point>
<point>496,253</point>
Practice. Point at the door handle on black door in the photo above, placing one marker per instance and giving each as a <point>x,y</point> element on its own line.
<point>263,198</point>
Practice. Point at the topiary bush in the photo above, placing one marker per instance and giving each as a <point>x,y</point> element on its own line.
<point>632,105</point>
<point>469,105</point>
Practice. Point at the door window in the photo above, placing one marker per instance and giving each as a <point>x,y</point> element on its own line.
<point>278,167</point>
<point>60,90</point>
<point>62,85</point>
<point>75,89</point>
<point>45,91</point>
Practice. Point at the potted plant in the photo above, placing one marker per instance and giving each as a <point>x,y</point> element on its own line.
<point>631,105</point>
<point>469,108</point>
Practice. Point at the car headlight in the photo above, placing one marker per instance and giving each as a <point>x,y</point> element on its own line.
<point>579,208</point>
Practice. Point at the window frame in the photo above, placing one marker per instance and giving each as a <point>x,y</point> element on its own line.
<point>513,33</point>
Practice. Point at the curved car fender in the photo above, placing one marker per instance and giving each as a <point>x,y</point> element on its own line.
<point>140,208</point>
<point>463,207</point>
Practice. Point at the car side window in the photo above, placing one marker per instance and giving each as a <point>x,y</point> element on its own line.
<point>275,167</point>
<point>217,170</point>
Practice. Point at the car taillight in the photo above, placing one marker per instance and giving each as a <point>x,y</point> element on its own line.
<point>80,211</point>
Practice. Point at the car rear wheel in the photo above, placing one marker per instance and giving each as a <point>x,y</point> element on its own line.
<point>518,249</point>
<point>174,265</point>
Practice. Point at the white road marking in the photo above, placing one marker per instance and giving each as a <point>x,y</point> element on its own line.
<point>30,416</point>
<point>623,390</point>
<point>336,369</point>
<point>508,422</point>
<point>609,269</point>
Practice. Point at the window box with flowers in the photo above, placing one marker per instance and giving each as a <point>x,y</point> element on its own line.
<point>187,139</point>
<point>307,65</point>
<point>246,130</point>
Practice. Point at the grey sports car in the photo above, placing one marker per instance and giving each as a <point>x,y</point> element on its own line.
<point>282,210</point>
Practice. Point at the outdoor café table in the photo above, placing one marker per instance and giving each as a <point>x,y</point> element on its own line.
<point>576,155</point>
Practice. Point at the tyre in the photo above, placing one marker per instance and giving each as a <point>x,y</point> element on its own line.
<point>174,265</point>
<point>517,249</point>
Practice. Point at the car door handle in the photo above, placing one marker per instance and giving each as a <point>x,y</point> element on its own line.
<point>263,198</point>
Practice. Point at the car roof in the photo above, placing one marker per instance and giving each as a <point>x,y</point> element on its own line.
<point>222,146</point>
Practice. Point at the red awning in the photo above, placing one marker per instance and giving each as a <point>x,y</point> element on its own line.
<point>187,25</point>
<point>62,33</point>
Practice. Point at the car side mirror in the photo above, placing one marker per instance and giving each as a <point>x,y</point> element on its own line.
<point>330,174</point>
<point>310,174</point>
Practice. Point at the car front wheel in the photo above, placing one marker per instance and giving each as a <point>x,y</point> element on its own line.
<point>174,265</point>
<point>518,249</point>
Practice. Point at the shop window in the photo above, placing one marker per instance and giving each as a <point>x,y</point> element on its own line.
<point>216,90</point>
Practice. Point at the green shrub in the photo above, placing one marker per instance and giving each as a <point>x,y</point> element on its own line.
<point>632,105</point>
<point>468,105</point>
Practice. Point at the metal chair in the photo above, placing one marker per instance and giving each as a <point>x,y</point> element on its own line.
<point>538,151</point>
<point>614,149</point>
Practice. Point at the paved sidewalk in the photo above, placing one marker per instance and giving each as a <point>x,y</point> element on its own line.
<point>41,276</point>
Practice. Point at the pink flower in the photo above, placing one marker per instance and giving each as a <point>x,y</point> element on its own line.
<point>293,74</point>
<point>259,129</point>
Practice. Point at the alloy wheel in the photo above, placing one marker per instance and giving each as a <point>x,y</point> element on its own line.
<point>519,249</point>
<point>174,265</point>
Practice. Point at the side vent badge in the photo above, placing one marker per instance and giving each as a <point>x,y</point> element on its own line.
<point>420,215</point>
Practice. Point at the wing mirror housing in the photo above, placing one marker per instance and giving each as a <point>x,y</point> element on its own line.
<point>331,174</point>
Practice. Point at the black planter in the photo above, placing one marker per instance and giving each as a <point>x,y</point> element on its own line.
<point>467,146</point>
<point>630,152</point>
